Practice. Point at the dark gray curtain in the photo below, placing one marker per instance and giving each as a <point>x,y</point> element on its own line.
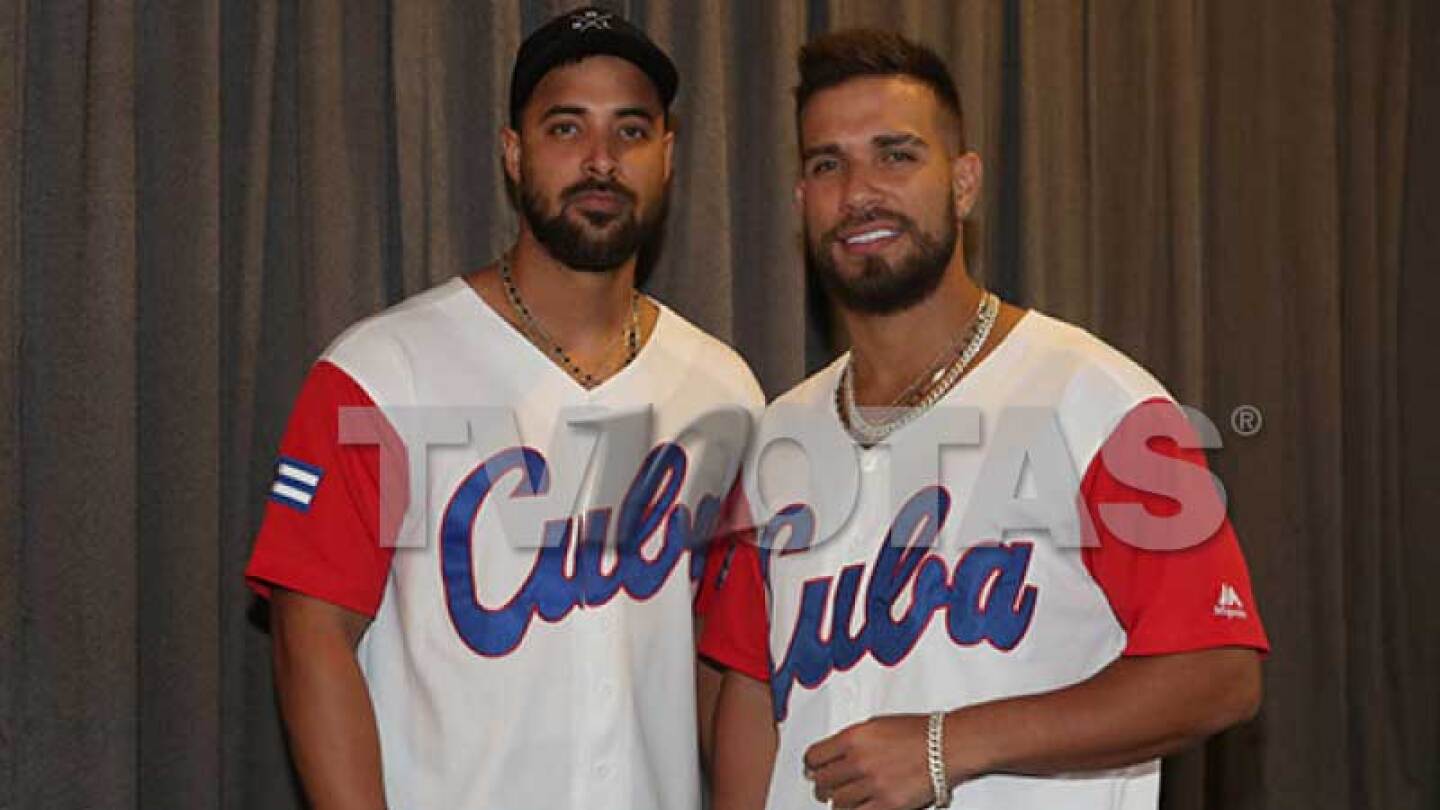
<point>196,196</point>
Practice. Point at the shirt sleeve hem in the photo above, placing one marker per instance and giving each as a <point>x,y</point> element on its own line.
<point>741,663</point>
<point>264,582</point>
<point>1209,641</point>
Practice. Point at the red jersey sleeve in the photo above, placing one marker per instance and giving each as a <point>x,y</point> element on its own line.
<point>1159,543</point>
<point>321,534</point>
<point>736,632</point>
<point>734,521</point>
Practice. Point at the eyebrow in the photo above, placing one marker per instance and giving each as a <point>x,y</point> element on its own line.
<point>824,149</point>
<point>884,141</point>
<point>636,112</point>
<point>562,109</point>
<point>623,112</point>
<point>898,139</point>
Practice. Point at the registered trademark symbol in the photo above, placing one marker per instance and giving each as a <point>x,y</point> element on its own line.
<point>1247,420</point>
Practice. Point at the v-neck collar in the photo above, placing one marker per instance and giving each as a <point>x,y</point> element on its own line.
<point>528,349</point>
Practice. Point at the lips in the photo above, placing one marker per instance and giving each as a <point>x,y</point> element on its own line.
<point>599,197</point>
<point>869,238</point>
<point>599,201</point>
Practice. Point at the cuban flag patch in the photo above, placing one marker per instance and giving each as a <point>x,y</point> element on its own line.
<point>295,483</point>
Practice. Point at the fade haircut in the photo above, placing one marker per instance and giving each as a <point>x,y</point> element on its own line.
<point>840,56</point>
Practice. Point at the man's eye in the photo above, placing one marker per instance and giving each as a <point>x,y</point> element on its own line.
<point>634,133</point>
<point>898,156</point>
<point>824,166</point>
<point>563,129</point>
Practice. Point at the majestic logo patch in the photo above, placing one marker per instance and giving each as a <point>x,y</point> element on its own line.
<point>295,483</point>
<point>1228,604</point>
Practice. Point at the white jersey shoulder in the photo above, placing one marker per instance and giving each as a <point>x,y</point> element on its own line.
<point>1091,384</point>
<point>376,351</point>
<point>817,389</point>
<point>712,362</point>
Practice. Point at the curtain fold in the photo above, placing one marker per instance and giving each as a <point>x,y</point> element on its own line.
<point>197,197</point>
<point>75,689</point>
<point>179,432</point>
<point>12,111</point>
<point>1274,302</point>
<point>1412,590</point>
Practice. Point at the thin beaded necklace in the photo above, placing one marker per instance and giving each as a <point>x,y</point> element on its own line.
<point>537,334</point>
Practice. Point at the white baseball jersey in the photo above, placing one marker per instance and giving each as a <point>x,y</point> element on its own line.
<point>933,597</point>
<point>532,643</point>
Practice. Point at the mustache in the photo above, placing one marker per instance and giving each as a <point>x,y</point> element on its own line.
<point>592,184</point>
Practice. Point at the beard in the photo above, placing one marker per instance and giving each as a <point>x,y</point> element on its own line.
<point>604,242</point>
<point>880,289</point>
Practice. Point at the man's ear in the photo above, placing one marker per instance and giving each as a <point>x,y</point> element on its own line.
<point>966,175</point>
<point>799,197</point>
<point>510,153</point>
<point>669,141</point>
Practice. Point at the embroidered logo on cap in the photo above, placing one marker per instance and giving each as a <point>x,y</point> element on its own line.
<point>591,19</point>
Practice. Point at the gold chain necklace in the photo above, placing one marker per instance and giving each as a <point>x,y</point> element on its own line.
<point>537,334</point>
<point>936,384</point>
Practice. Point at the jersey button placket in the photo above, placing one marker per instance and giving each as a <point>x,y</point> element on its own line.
<point>869,459</point>
<point>600,706</point>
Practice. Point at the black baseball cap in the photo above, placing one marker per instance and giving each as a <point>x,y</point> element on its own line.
<point>587,32</point>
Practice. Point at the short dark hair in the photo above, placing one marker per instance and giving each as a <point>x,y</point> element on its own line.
<point>840,56</point>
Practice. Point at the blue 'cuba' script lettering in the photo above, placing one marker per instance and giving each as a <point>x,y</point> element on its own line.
<point>987,600</point>
<point>652,501</point>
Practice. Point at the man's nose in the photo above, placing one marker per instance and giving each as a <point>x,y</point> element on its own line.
<point>860,192</point>
<point>600,160</point>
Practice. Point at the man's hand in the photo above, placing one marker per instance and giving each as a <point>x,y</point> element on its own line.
<point>1135,709</point>
<point>880,764</point>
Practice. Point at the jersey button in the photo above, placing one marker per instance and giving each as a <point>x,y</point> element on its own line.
<point>603,770</point>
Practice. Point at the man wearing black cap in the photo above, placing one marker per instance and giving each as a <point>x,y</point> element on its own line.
<point>531,642</point>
